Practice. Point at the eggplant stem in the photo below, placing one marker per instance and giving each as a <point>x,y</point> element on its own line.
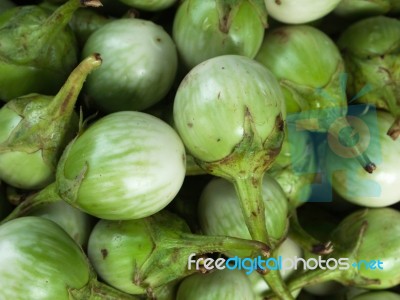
<point>252,206</point>
<point>276,283</point>
<point>305,240</point>
<point>45,196</point>
<point>64,102</point>
<point>223,244</point>
<point>355,151</point>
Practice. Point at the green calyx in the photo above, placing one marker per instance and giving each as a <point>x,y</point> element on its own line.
<point>311,83</point>
<point>320,106</point>
<point>37,48</point>
<point>360,238</point>
<point>229,9</point>
<point>295,166</point>
<point>45,124</point>
<point>371,49</point>
<point>232,26</point>
<point>251,155</point>
<point>245,167</point>
<point>96,290</point>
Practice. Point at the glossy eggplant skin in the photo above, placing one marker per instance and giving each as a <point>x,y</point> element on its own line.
<point>140,64</point>
<point>206,29</point>
<point>126,165</point>
<point>39,260</point>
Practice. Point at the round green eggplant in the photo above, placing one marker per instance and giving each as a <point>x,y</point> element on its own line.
<point>230,114</point>
<point>39,260</point>
<point>206,29</point>
<point>314,85</point>
<point>126,165</point>
<point>140,63</point>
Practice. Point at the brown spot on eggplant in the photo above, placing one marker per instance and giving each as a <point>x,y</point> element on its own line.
<point>104,253</point>
<point>281,34</point>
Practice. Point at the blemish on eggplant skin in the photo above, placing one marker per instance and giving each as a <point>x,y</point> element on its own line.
<point>104,253</point>
<point>190,125</point>
<point>278,2</point>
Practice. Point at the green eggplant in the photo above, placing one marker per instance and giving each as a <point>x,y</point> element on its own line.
<point>39,260</point>
<point>371,50</point>
<point>38,50</point>
<point>36,128</point>
<point>139,256</point>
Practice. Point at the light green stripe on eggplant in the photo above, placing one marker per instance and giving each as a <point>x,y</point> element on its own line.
<point>288,49</point>
<point>39,261</point>
<point>211,102</point>
<point>299,11</point>
<point>140,63</point>
<point>135,166</point>
<point>206,29</point>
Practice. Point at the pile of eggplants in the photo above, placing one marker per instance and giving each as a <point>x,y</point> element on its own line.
<point>142,143</point>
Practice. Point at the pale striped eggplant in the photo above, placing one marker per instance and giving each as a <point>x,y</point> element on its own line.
<point>127,165</point>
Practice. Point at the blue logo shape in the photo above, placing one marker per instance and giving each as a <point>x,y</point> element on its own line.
<point>343,143</point>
